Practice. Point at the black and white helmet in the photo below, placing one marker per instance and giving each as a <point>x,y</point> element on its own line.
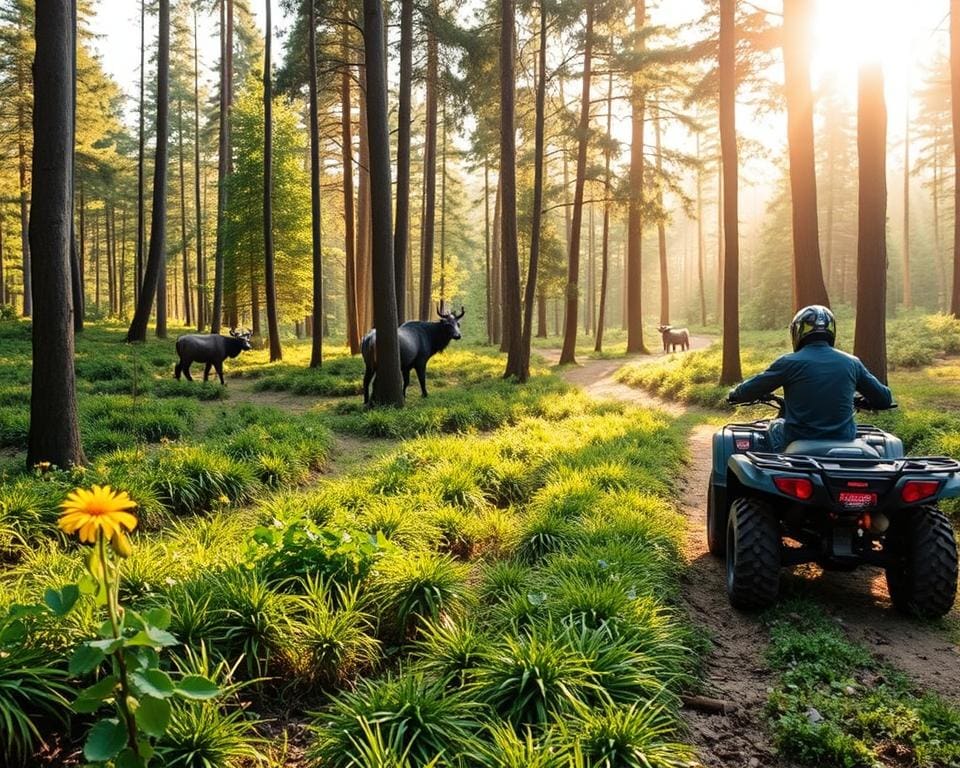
<point>813,323</point>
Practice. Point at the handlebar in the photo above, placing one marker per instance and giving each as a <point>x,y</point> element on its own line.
<point>775,401</point>
<point>862,404</point>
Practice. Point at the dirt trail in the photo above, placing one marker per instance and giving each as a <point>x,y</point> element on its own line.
<point>734,668</point>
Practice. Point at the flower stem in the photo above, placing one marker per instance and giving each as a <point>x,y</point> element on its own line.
<point>112,587</point>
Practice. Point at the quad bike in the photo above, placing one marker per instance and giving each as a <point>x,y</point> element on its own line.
<point>841,504</point>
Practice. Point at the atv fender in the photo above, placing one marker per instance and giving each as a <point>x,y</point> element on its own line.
<point>749,476</point>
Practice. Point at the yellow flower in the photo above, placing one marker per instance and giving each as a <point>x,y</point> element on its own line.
<point>100,508</point>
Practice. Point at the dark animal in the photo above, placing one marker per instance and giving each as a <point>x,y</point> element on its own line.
<point>673,336</point>
<point>419,341</point>
<point>211,349</point>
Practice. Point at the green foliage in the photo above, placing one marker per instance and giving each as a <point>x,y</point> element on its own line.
<point>834,704</point>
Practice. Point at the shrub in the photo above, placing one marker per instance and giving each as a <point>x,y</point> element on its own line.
<point>503,578</point>
<point>413,588</point>
<point>451,650</point>
<point>416,717</point>
<point>502,747</point>
<point>191,480</point>
<point>542,534</point>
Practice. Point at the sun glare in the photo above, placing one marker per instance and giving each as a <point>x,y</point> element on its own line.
<point>850,33</point>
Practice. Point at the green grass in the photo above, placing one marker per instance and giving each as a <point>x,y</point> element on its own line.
<point>835,705</point>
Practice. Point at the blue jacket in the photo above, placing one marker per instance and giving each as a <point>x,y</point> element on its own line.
<point>819,384</point>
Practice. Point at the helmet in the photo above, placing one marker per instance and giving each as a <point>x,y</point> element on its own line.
<point>813,323</point>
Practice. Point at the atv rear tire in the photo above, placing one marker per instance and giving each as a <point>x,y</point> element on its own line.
<point>753,555</point>
<point>923,577</point>
<point>716,524</point>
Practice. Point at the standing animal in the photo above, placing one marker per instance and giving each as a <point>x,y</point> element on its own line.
<point>211,349</point>
<point>673,336</point>
<point>419,341</point>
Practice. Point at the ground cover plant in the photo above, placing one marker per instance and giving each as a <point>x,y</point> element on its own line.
<point>513,568</point>
<point>835,705</point>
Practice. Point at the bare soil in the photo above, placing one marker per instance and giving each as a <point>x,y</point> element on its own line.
<point>734,668</point>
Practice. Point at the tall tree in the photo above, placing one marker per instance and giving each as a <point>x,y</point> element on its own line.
<point>184,236</point>
<point>270,282</point>
<point>316,350</point>
<point>700,244</point>
<point>388,387</point>
<point>54,425</point>
<point>141,154</point>
<point>508,190</point>
<point>635,205</point>
<point>535,230</point>
<point>201,262</point>
<point>808,285</point>
<point>568,354</point>
<point>730,371</point>
<point>955,114</point>
<point>223,159</point>
<point>346,146</point>
<point>404,121</point>
<point>156,256</point>
<point>427,224</point>
<point>607,202</point>
<point>661,226</point>
<point>870,339</point>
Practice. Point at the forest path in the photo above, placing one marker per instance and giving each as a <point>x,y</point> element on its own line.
<point>735,669</point>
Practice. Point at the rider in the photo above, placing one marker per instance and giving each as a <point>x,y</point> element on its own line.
<point>819,382</point>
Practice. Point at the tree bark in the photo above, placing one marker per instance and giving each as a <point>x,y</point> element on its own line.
<point>635,205</point>
<point>661,228</point>
<point>154,283</point>
<point>316,348</point>
<point>388,386</point>
<point>27,306</point>
<point>443,203</point>
<point>486,247</point>
<point>201,264</point>
<point>496,273</point>
<point>730,369</point>
<point>269,279</point>
<point>568,354</point>
<point>76,272</point>
<point>536,226</point>
<point>508,188</point>
<point>429,169</point>
<point>870,339</point>
<point>701,256</point>
<point>184,237</point>
<point>404,121</point>
<point>808,286</point>
<point>54,433</point>
<point>364,243</point>
<point>607,193</point>
<point>346,144</point>
<point>141,159</point>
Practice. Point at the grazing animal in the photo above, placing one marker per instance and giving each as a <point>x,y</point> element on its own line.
<point>673,336</point>
<point>211,349</point>
<point>419,341</point>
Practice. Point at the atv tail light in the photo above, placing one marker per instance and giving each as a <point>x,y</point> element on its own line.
<point>798,487</point>
<point>917,490</point>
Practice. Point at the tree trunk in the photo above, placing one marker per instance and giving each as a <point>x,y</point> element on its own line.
<point>54,434</point>
<point>224,163</point>
<point>486,247</point>
<point>388,386</point>
<point>661,228</point>
<point>508,189</point>
<point>404,124</point>
<point>141,158</point>
<point>364,245</point>
<point>730,370</point>
<point>496,273</point>
<point>184,237</point>
<point>535,230</point>
<point>568,354</point>
<point>269,279</point>
<point>154,284</point>
<point>346,144</point>
<point>316,348</point>
<point>828,235</point>
<point>635,206</point>
<point>429,168</point>
<point>937,239</point>
<point>541,313</point>
<point>27,307</point>
<point>607,193</point>
<point>566,173</point>
<point>76,273</point>
<point>96,261</point>
<point>808,286</point>
<point>201,264</point>
<point>443,204</point>
<point>701,256</point>
<point>907,291</point>
<point>123,263</point>
<point>870,340</point>
<point>720,237</point>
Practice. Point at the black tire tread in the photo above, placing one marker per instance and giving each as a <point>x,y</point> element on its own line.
<point>717,533</point>
<point>757,570</point>
<point>928,587</point>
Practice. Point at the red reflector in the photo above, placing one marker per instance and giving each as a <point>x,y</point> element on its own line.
<point>917,490</point>
<point>743,444</point>
<point>855,500</point>
<point>798,487</point>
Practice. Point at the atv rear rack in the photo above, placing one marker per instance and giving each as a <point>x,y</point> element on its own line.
<point>798,463</point>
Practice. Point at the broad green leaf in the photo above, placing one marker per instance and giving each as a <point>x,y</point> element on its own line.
<point>88,585</point>
<point>13,632</point>
<point>62,600</point>
<point>197,687</point>
<point>129,759</point>
<point>153,716</point>
<point>153,637</point>
<point>86,659</point>
<point>108,645</point>
<point>91,699</point>
<point>158,617</point>
<point>105,740</point>
<point>153,682</point>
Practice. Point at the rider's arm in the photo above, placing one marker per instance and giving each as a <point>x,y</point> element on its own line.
<point>868,385</point>
<point>762,384</point>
